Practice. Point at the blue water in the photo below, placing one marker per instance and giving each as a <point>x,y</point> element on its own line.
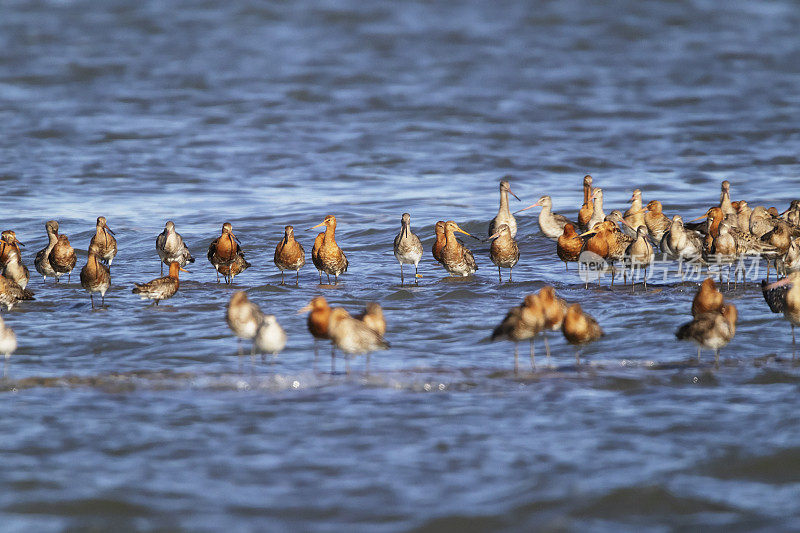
<point>267,114</point>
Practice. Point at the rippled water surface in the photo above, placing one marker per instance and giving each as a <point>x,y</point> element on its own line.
<point>263,115</point>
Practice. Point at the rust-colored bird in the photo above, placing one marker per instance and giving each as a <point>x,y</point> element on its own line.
<point>634,217</point>
<point>226,256</point>
<point>9,245</point>
<point>586,210</point>
<point>329,256</point>
<point>656,221</point>
<point>160,288</point>
<point>579,329</point>
<point>315,254</point>
<point>95,276</point>
<point>289,254</point>
<point>708,299</point>
<point>62,258</point>
<point>42,261</point>
<point>441,240</point>
<point>319,314</point>
<point>569,246</point>
<point>504,251</point>
<point>11,293</point>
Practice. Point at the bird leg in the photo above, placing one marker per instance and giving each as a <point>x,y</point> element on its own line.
<point>416,274</point>
<point>367,367</point>
<point>716,358</point>
<point>533,358</point>
<point>281,277</point>
<point>510,274</point>
<point>547,350</point>
<point>698,355</point>
<point>347,364</point>
<point>91,297</point>
<point>402,281</point>
<point>516,358</point>
<point>333,359</point>
<point>500,274</point>
<point>577,357</point>
<point>162,269</point>
<point>239,344</point>
<point>794,351</point>
<point>297,278</point>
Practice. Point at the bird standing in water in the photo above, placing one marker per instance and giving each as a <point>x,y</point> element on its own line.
<point>439,242</point>
<point>171,248</point>
<point>504,251</point>
<point>289,254</point>
<point>244,318</point>
<point>104,242</point>
<point>504,215</point>
<point>407,247</point>
<point>521,323</point>
<point>160,288</point>
<point>62,258</point>
<point>579,329</point>
<point>456,257</point>
<point>329,256</point>
<point>569,246</point>
<point>42,261</point>
<point>352,336</point>
<point>783,296</point>
<point>226,255</point>
<point>95,276</point>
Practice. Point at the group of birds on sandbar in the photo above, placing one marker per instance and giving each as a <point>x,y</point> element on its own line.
<point>728,231</point>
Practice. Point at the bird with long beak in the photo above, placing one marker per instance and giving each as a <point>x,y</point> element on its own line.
<point>407,247</point>
<point>586,210</point>
<point>504,251</point>
<point>63,258</point>
<point>319,314</point>
<point>569,246</point>
<point>95,276</point>
<point>707,299</point>
<point>457,258</point>
<point>783,296</point>
<point>170,247</point>
<point>315,254</point>
<point>16,271</point>
<point>42,261</point>
<point>656,221</point>
<point>504,215</point>
<point>725,203</point>
<point>680,243</point>
<point>9,245</point>
<point>103,241</point>
<point>289,254</point>
<point>609,243</point>
<point>225,254</point>
<point>330,257</point>
<point>160,288</point>
<point>579,329</point>
<point>521,323</point>
<point>712,330</point>
<point>439,241</point>
<point>551,224</point>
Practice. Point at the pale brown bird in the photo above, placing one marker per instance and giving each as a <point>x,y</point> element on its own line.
<point>11,293</point>
<point>160,288</point>
<point>62,258</point>
<point>9,245</point>
<point>289,254</point>
<point>352,336</point>
<point>504,251</point>
<point>329,255</point>
<point>170,247</point>
<point>579,329</point>
<point>95,276</point>
<point>42,261</point>
<point>522,322</point>
<point>373,317</point>
<point>554,310</point>
<point>634,216</point>
<point>103,241</point>
<point>504,215</point>
<point>783,296</point>
<point>407,247</point>
<point>712,330</point>
<point>656,221</point>
<point>243,318</point>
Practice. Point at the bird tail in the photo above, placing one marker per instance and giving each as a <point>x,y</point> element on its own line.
<point>684,332</point>
<point>774,297</point>
<point>27,294</point>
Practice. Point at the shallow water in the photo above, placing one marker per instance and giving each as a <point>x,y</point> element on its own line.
<point>267,115</point>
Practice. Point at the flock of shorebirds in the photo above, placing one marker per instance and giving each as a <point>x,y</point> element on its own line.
<point>729,231</point>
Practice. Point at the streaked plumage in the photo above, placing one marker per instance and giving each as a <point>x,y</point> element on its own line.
<point>504,251</point>
<point>407,247</point>
<point>522,322</point>
<point>569,245</point>
<point>171,248</point>
<point>9,245</point>
<point>580,328</point>
<point>11,293</point>
<point>62,257</point>
<point>160,288</point>
<point>42,261</point>
<point>15,270</point>
<point>103,241</point>
<point>457,258</point>
<point>330,256</point>
<point>712,330</point>
<point>783,296</point>
<point>656,221</point>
